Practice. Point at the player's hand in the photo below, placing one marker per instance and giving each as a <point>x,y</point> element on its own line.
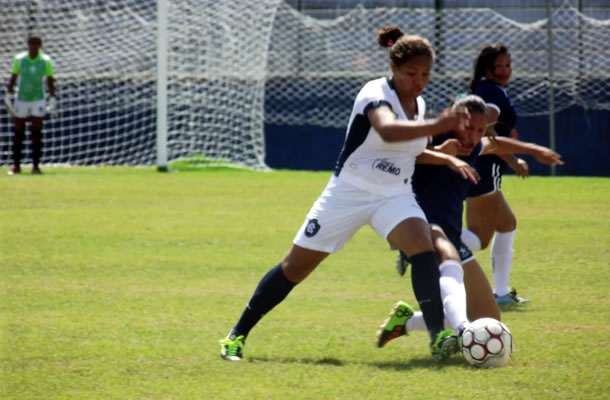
<point>8,103</point>
<point>520,167</point>
<point>52,107</point>
<point>464,169</point>
<point>453,119</point>
<point>548,157</point>
<point>449,146</point>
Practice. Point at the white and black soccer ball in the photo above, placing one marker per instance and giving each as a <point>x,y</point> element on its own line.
<point>487,342</point>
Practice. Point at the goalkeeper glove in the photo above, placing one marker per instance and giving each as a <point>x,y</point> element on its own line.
<point>9,104</point>
<point>52,106</point>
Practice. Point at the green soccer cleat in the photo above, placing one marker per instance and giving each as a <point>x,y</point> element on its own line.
<point>510,298</point>
<point>231,348</point>
<point>445,344</point>
<point>394,326</point>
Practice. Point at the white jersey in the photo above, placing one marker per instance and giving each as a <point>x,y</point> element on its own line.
<point>366,160</point>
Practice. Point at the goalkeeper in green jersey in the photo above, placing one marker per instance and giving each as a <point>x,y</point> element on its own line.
<point>29,70</point>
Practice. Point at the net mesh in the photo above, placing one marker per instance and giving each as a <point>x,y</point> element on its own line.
<point>235,65</point>
<point>331,59</point>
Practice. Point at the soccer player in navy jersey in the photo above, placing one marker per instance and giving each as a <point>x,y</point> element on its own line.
<point>371,185</point>
<point>441,193</point>
<point>487,211</point>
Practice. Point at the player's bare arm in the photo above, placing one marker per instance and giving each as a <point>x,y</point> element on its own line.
<point>391,129</point>
<point>504,145</point>
<point>432,157</point>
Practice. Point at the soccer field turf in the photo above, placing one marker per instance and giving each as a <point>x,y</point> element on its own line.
<point>117,283</point>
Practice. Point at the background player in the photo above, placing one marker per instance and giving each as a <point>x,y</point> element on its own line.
<point>441,193</point>
<point>371,184</point>
<point>487,211</point>
<point>30,68</point>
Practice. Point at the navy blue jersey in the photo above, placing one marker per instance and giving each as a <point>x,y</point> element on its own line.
<point>491,167</point>
<point>495,96</point>
<point>440,192</point>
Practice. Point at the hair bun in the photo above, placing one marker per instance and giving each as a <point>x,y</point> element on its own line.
<point>388,35</point>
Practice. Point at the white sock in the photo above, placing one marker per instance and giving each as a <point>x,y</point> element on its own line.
<point>502,261</point>
<point>417,323</point>
<point>470,239</point>
<point>453,294</point>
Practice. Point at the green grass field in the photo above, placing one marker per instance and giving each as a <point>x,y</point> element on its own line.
<point>117,283</point>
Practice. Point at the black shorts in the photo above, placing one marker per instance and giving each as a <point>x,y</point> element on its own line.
<point>463,250</point>
<point>456,240</point>
<point>491,169</point>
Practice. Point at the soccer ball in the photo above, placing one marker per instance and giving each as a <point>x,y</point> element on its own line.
<point>487,342</point>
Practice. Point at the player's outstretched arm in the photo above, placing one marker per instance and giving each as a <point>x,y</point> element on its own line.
<point>431,157</point>
<point>392,129</point>
<point>504,145</point>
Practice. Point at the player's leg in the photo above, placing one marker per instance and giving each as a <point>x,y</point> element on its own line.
<point>18,139</point>
<point>452,296</point>
<point>270,291</point>
<point>453,291</point>
<point>332,221</point>
<point>502,253</point>
<point>36,128</point>
<point>480,301</point>
<point>38,111</point>
<point>22,112</point>
<point>481,218</point>
<point>412,236</point>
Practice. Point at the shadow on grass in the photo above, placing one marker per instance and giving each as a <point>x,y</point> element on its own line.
<point>513,308</point>
<point>415,363</point>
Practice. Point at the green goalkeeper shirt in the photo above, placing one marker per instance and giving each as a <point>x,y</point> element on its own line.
<point>31,74</point>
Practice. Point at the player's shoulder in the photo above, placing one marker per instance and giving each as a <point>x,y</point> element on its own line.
<point>375,87</point>
<point>21,55</point>
<point>45,57</point>
<point>487,87</point>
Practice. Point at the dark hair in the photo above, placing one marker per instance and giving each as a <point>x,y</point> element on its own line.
<point>475,104</point>
<point>34,39</point>
<point>485,62</point>
<point>403,47</point>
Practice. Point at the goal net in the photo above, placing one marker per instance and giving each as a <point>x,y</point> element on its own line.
<point>235,65</point>
<point>104,55</point>
<point>317,66</point>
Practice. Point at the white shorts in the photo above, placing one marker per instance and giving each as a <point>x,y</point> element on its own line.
<point>25,109</point>
<point>342,209</point>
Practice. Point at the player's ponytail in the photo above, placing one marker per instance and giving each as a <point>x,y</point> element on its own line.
<point>389,35</point>
<point>485,62</point>
<point>403,47</point>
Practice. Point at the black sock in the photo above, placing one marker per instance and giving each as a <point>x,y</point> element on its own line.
<point>271,290</point>
<point>425,279</point>
<point>17,147</point>
<point>36,146</point>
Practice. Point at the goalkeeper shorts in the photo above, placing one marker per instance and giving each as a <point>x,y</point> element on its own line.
<point>25,109</point>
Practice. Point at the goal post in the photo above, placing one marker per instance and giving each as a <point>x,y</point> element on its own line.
<point>162,85</point>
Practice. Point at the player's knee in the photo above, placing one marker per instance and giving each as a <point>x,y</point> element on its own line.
<point>446,251</point>
<point>508,224</point>
<point>19,137</point>
<point>36,135</point>
<point>484,242</point>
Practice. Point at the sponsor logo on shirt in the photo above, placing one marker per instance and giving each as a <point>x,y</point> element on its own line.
<point>385,165</point>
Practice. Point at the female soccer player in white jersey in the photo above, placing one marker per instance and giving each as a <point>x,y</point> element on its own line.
<point>30,67</point>
<point>487,211</point>
<point>371,185</point>
<point>440,193</point>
